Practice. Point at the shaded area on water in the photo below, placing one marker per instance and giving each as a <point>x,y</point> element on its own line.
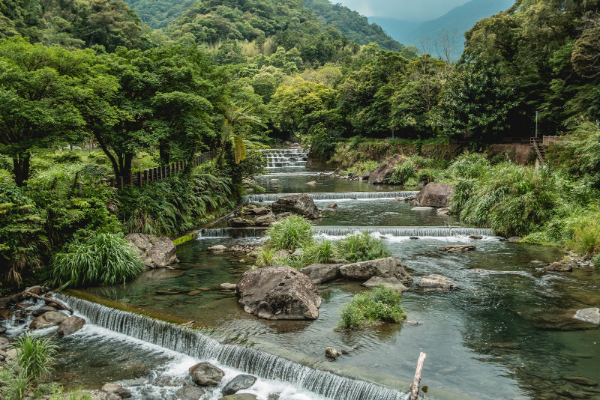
<point>297,183</point>
<point>507,332</point>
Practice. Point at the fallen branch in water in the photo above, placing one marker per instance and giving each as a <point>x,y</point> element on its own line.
<point>414,386</point>
<point>60,304</point>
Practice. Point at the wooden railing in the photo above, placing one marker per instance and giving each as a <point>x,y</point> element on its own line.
<point>158,173</point>
<point>539,150</point>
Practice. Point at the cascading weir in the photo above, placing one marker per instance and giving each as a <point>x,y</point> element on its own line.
<point>282,158</point>
<point>254,198</point>
<point>399,231</point>
<point>252,361</point>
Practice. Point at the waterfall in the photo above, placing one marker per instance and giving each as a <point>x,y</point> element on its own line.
<point>282,158</point>
<point>254,198</point>
<point>248,360</point>
<point>399,231</point>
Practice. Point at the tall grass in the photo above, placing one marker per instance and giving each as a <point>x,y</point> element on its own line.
<point>290,233</point>
<point>102,259</point>
<point>379,304</point>
<point>362,247</point>
<point>35,356</point>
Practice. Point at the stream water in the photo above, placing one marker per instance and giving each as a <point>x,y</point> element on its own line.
<point>507,333</point>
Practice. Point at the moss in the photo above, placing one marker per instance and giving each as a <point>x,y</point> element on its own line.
<point>380,304</point>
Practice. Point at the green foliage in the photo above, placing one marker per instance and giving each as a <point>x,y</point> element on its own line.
<point>319,251</point>
<point>266,257</point>
<point>290,233</point>
<point>379,304</point>
<point>362,247</point>
<point>35,356</point>
<point>403,172</point>
<point>596,260</point>
<point>102,259</point>
<point>586,232</point>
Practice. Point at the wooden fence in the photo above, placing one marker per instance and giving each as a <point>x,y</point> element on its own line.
<point>157,173</point>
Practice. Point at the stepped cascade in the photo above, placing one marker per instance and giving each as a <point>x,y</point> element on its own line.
<point>252,361</point>
<point>333,196</point>
<point>283,158</point>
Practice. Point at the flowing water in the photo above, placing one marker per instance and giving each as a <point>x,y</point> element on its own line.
<point>507,333</point>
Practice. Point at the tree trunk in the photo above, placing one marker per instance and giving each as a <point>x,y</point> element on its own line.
<point>164,154</point>
<point>21,168</point>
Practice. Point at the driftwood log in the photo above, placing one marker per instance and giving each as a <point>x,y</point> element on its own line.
<point>414,386</point>
<point>60,304</point>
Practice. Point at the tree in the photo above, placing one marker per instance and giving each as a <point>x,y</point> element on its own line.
<point>40,90</point>
<point>238,123</point>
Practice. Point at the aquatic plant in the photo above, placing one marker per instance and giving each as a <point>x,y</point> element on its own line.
<point>362,247</point>
<point>101,259</point>
<point>379,304</point>
<point>291,233</point>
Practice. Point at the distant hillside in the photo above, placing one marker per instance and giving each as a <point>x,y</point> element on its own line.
<point>353,25</point>
<point>159,13</point>
<point>459,20</point>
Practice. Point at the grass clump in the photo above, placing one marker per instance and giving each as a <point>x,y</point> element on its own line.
<point>101,259</point>
<point>290,233</point>
<point>35,356</point>
<point>362,247</point>
<point>379,304</point>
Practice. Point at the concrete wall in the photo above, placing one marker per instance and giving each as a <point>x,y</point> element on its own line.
<point>521,154</point>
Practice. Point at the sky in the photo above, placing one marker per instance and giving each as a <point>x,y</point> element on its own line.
<point>414,10</point>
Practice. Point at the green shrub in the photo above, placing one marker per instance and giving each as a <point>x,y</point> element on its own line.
<point>102,259</point>
<point>586,233</point>
<point>265,257</point>
<point>362,247</point>
<point>290,233</point>
<point>35,356</point>
<point>67,157</point>
<point>380,304</point>
<point>596,260</point>
<point>318,252</point>
<point>403,172</point>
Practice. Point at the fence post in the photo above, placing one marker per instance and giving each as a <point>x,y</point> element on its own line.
<point>113,182</point>
<point>139,177</point>
<point>131,179</point>
<point>121,181</point>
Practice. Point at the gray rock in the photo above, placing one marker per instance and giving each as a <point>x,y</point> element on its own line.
<point>515,239</point>
<point>299,252</point>
<point>155,252</point>
<point>279,292</point>
<point>332,353</point>
<point>332,205</point>
<point>42,310</point>
<point>259,211</point>
<point>443,211</point>
<point>421,209</point>
<point>265,220</point>
<point>319,273</point>
<point>591,315</point>
<point>239,222</point>
<point>206,374</point>
<point>312,183</point>
<point>301,204</point>
<point>386,169</point>
<point>47,320</point>
<point>70,326</point>
<point>3,342</point>
<point>189,393</point>
<point>383,267</point>
<point>218,248</point>
<point>116,390</point>
<point>110,396</point>
<point>240,382</point>
<point>241,396</point>
<point>462,248</point>
<point>437,282</point>
<point>580,380</point>
<point>390,282</point>
<point>435,195</point>
<point>227,286</point>
<point>274,396</point>
<point>476,237</point>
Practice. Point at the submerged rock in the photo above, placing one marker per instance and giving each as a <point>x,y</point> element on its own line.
<point>319,273</point>
<point>435,195</point>
<point>116,390</point>
<point>591,315</point>
<point>241,396</point>
<point>279,292</point>
<point>332,205</point>
<point>421,209</point>
<point>476,237</point>
<point>206,374</point>
<point>189,393</point>
<point>155,252</point>
<point>218,248</point>
<point>301,204</point>
<point>48,320</point>
<point>579,380</point>
<point>462,248</point>
<point>70,326</point>
<point>383,267</point>
<point>240,382</point>
<point>437,282</point>
<point>391,282</point>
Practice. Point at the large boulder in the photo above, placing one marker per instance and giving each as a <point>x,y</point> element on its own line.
<point>319,273</point>
<point>265,220</point>
<point>155,252</point>
<point>48,320</point>
<point>301,204</point>
<point>591,315</point>
<point>206,374</point>
<point>435,195</point>
<point>383,267</point>
<point>189,393</point>
<point>279,292</point>
<point>116,390</point>
<point>392,282</point>
<point>386,169</point>
<point>70,326</point>
<point>240,382</point>
<point>437,282</point>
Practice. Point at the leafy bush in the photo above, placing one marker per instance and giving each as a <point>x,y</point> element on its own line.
<point>596,260</point>
<point>102,259</point>
<point>361,168</point>
<point>290,233</point>
<point>362,247</point>
<point>403,172</point>
<point>318,252</point>
<point>586,233</point>
<point>35,356</point>
<point>380,304</point>
<point>265,257</point>
<point>67,157</point>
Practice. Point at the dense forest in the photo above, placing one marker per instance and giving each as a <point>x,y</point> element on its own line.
<point>229,77</point>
